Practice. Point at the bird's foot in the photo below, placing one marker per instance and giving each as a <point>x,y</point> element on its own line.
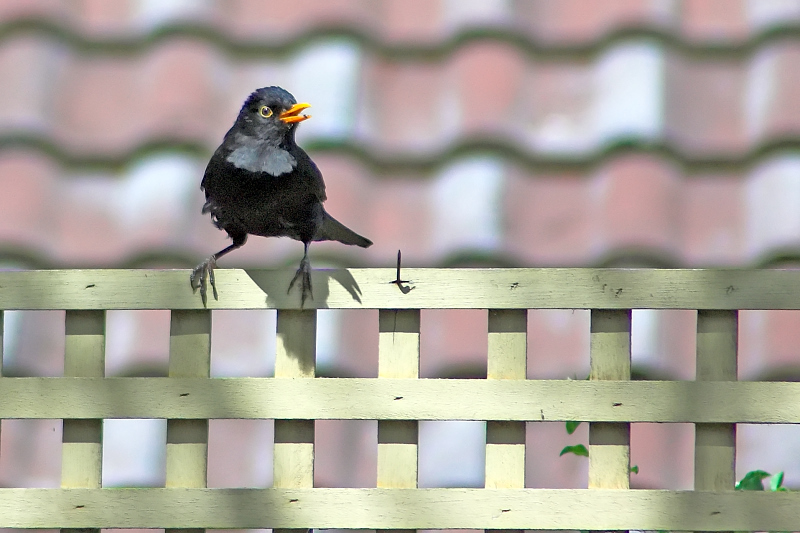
<point>202,275</point>
<point>304,273</point>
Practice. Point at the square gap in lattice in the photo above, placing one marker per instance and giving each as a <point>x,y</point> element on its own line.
<point>240,453</point>
<point>453,343</point>
<point>134,452</point>
<point>769,345</point>
<point>772,448</point>
<point>243,343</point>
<point>663,344</point>
<point>137,343</point>
<point>452,453</point>
<point>345,453</point>
<point>30,453</point>
<point>347,343</point>
<point>33,343</point>
<point>664,455</point>
<point>558,343</point>
<point>545,468</point>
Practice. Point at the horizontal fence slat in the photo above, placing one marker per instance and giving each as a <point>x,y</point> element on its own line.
<point>401,399</point>
<point>500,288</point>
<point>399,508</point>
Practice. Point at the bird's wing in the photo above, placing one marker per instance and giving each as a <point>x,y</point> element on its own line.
<point>310,174</point>
<point>212,168</point>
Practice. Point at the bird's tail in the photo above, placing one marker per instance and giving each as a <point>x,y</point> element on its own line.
<point>333,230</point>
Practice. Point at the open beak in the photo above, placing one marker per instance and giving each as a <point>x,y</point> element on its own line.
<point>292,115</point>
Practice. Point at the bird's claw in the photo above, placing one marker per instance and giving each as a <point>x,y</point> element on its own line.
<point>304,273</point>
<point>201,276</point>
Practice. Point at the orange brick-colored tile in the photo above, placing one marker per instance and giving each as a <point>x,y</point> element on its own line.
<point>705,110</point>
<point>714,20</point>
<point>569,22</point>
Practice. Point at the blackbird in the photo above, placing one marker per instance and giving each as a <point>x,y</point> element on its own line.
<point>259,182</point>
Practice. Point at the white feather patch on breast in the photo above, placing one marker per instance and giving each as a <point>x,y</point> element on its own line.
<point>258,157</point>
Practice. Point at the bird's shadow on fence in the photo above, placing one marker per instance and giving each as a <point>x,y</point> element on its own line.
<point>276,286</point>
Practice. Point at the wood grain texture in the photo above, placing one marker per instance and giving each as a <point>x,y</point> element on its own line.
<point>82,440</point>
<point>404,508</point>
<point>609,443</point>
<point>550,288</point>
<point>398,360</point>
<point>715,444</point>
<point>2,328</point>
<point>295,359</point>
<point>507,360</point>
<point>402,399</point>
<point>187,439</point>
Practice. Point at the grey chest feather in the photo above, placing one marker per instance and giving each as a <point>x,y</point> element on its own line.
<point>258,157</point>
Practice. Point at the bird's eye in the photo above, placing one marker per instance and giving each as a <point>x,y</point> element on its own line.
<point>265,111</point>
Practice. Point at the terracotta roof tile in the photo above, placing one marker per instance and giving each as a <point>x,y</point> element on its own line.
<point>274,20</point>
<point>580,21</point>
<point>489,78</point>
<point>714,224</point>
<point>16,9</point>
<point>548,219</point>
<point>714,20</point>
<point>406,104</point>
<point>410,20</point>
<point>773,91</point>
<point>638,204</point>
<point>704,106</point>
<point>28,211</point>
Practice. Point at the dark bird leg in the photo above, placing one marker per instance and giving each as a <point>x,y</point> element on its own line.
<point>205,271</point>
<point>304,272</point>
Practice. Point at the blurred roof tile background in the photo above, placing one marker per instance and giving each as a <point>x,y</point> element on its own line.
<point>660,133</point>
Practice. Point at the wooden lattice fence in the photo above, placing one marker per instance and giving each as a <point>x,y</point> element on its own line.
<point>188,398</point>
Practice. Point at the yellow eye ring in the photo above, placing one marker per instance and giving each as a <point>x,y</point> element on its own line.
<point>265,111</point>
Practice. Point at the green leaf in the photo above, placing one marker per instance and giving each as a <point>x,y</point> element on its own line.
<point>635,469</point>
<point>775,484</point>
<point>578,449</point>
<point>753,480</point>
<point>572,426</point>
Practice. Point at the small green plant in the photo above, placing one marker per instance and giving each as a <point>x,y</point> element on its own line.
<point>754,480</point>
<point>577,449</point>
<point>580,449</point>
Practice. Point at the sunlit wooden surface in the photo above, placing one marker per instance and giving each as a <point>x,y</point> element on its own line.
<point>398,399</point>
<point>501,288</point>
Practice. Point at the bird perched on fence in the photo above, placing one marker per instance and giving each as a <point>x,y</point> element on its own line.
<point>259,182</point>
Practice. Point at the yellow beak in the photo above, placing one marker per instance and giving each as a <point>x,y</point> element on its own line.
<point>292,115</point>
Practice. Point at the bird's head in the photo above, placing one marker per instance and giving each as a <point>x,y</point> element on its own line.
<point>271,113</point>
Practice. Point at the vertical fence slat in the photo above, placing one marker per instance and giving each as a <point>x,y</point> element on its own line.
<point>609,443</point>
<point>398,357</point>
<point>2,326</point>
<point>187,440</point>
<point>505,441</point>
<point>715,444</point>
<point>507,359</point>
<point>295,357</point>
<point>82,440</point>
